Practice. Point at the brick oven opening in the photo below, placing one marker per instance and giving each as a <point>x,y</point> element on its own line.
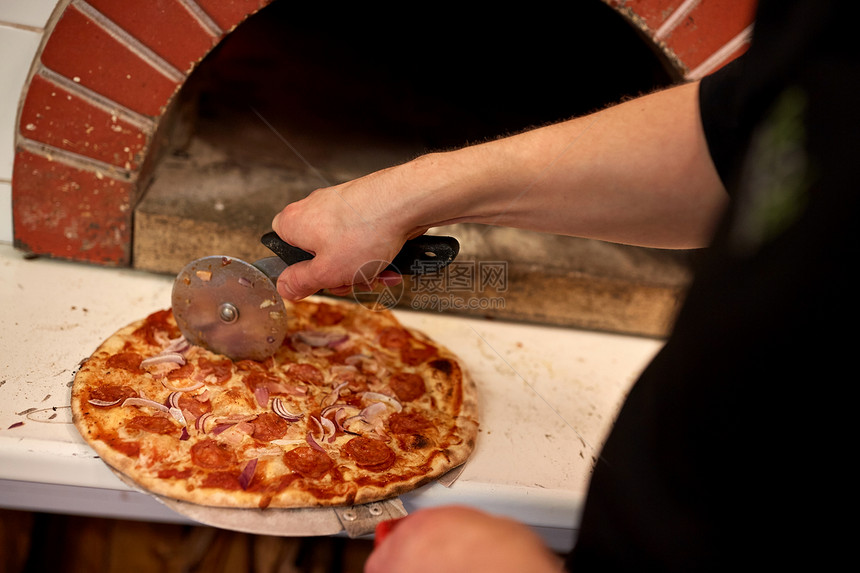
<point>295,99</point>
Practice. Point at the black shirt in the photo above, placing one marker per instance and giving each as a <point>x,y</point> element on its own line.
<point>735,446</point>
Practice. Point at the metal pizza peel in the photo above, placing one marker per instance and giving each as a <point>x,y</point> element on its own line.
<point>354,520</point>
<point>233,308</point>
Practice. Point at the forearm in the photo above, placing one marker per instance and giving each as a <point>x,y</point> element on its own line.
<point>636,173</point>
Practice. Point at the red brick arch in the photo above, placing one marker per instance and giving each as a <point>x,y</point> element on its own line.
<point>108,70</point>
<point>697,36</point>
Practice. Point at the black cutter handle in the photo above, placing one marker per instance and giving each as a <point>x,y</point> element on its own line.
<point>424,254</point>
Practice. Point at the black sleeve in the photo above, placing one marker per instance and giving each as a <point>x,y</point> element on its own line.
<point>721,119</point>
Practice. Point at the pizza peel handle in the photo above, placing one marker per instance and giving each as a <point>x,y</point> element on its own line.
<point>424,254</point>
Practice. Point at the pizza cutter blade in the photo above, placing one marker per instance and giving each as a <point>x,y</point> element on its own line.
<point>233,307</point>
<point>230,307</point>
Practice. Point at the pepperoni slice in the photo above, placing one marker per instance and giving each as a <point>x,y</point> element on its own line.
<point>160,320</point>
<point>408,423</point>
<point>307,373</point>
<point>156,322</point>
<point>414,355</point>
<point>125,361</point>
<point>269,426</point>
<point>182,373</point>
<point>256,380</point>
<point>112,393</point>
<point>410,430</point>
<point>215,371</point>
<point>308,462</point>
<point>193,405</point>
<point>152,424</point>
<point>131,449</point>
<point>370,454</point>
<point>327,315</point>
<point>173,473</point>
<point>393,338</point>
<point>222,481</point>
<point>212,455</point>
<point>407,386</point>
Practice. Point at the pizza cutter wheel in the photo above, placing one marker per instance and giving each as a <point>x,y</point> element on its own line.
<point>230,307</point>
<point>233,307</point>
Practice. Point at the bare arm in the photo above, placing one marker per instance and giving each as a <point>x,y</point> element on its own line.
<point>636,173</point>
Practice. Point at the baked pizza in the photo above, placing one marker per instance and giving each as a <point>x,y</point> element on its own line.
<point>353,407</point>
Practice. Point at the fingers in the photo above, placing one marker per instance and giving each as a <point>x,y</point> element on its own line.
<point>308,277</point>
<point>458,539</point>
<point>295,282</point>
<point>383,529</point>
<point>349,248</point>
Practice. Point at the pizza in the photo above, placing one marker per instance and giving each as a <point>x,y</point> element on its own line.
<point>353,407</point>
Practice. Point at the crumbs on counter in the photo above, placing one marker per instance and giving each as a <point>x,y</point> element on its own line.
<point>15,425</point>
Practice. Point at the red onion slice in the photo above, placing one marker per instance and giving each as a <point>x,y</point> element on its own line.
<point>357,359</point>
<point>329,428</point>
<point>318,339</point>
<point>319,428</point>
<point>103,403</point>
<point>145,402</point>
<point>313,443</point>
<point>248,473</point>
<point>173,388</point>
<point>348,425</point>
<point>339,417</point>
<point>179,345</point>
<point>165,358</point>
<point>329,409</point>
<point>279,409</point>
<point>333,396</point>
<point>379,397</point>
<point>261,393</point>
<point>220,428</point>
<point>178,415</point>
<point>200,423</point>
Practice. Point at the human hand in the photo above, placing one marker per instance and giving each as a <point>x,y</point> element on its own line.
<point>353,230</point>
<point>459,539</point>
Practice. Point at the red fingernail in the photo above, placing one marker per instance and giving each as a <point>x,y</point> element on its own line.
<point>383,528</point>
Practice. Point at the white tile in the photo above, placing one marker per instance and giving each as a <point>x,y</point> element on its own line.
<point>33,13</point>
<point>5,212</point>
<point>18,47</point>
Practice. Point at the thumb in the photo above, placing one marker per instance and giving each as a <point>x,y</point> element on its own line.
<point>296,281</point>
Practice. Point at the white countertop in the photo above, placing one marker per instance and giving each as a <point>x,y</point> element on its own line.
<point>547,395</point>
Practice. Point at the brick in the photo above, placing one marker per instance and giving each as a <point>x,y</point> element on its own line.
<point>82,51</point>
<point>652,13</point>
<point>230,13</point>
<point>708,27</point>
<point>164,26</point>
<point>62,119</point>
<point>65,212</point>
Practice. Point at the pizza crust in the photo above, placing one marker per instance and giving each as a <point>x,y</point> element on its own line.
<point>162,464</point>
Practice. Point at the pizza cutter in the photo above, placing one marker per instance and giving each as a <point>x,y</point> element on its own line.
<point>233,307</point>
